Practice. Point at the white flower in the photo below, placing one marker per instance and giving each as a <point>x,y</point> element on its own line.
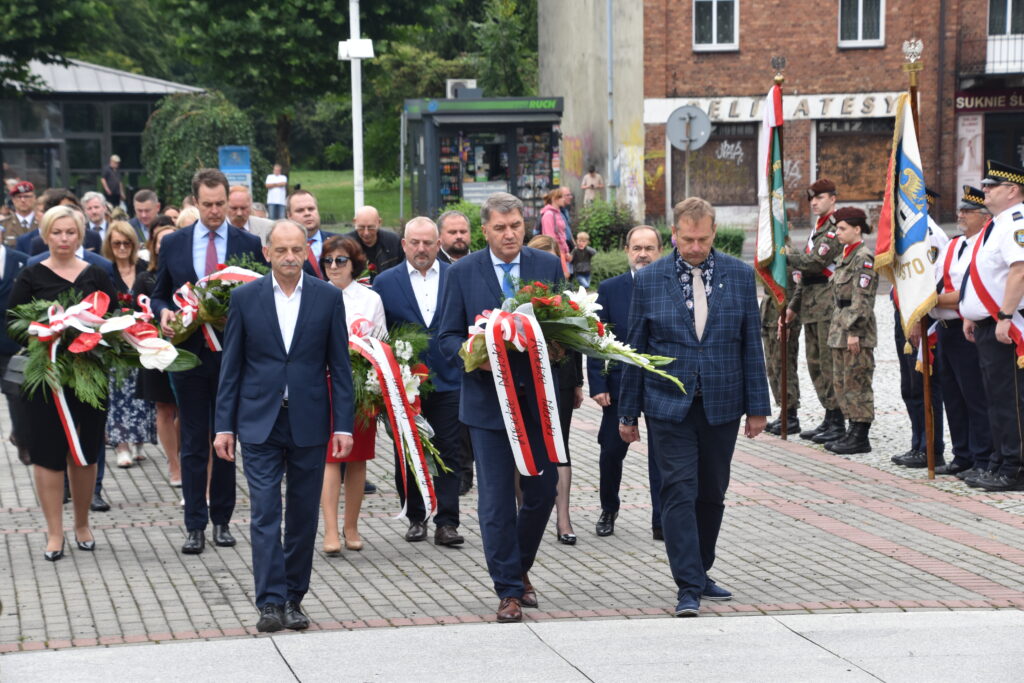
<point>117,324</point>
<point>587,301</point>
<point>403,350</point>
<point>155,353</point>
<point>372,384</point>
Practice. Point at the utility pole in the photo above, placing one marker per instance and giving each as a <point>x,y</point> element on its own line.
<point>354,50</point>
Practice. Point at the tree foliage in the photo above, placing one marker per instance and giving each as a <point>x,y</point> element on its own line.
<point>45,32</point>
<point>183,135</point>
<point>507,48</point>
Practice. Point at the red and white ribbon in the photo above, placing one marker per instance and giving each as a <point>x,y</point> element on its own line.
<point>188,307</point>
<point>401,416</point>
<point>521,329</point>
<point>84,317</point>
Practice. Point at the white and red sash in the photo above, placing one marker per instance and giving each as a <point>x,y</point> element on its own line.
<point>521,329</point>
<point>992,307</point>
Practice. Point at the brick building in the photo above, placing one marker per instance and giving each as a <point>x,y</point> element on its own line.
<point>842,78</point>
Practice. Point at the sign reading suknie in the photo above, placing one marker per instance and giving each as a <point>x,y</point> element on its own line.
<point>989,100</point>
<point>736,109</point>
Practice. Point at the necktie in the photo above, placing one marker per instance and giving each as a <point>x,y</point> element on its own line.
<point>700,302</point>
<point>211,253</point>
<point>24,224</point>
<point>311,257</point>
<point>508,288</point>
<point>96,227</point>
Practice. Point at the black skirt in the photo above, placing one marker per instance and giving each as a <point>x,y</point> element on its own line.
<point>155,386</point>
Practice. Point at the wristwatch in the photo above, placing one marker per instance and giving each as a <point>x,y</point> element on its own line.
<point>628,421</point>
<point>1004,316</point>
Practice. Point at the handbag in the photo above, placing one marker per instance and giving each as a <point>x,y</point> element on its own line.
<point>14,376</point>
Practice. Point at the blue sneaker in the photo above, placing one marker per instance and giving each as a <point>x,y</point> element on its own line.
<point>688,607</point>
<point>712,591</point>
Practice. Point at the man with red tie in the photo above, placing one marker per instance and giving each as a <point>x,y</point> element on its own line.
<point>186,256</point>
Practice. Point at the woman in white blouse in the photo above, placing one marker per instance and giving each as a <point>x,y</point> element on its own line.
<point>341,261</point>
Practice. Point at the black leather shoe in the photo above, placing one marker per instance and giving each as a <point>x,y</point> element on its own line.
<point>1003,482</point>
<point>222,536</point>
<point>271,619</point>
<point>369,487</point>
<point>195,543</point>
<point>294,618</point>
<point>657,534</point>
<point>98,504</point>
<point>952,468</point>
<point>976,477</point>
<point>822,426</point>
<point>417,531</point>
<point>836,431</point>
<point>916,460</point>
<point>896,459</point>
<point>54,555</point>
<point>447,535</point>
<point>774,427</point>
<point>606,523</point>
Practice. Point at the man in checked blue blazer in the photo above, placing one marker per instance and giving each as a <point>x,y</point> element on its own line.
<point>511,532</point>
<point>698,306</point>
<point>412,291</point>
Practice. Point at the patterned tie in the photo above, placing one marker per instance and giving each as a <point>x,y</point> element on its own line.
<point>211,253</point>
<point>311,257</point>
<point>508,288</point>
<point>700,302</point>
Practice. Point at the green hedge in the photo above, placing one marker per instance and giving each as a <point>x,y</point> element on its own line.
<point>606,222</point>
<point>730,240</point>
<point>606,264</point>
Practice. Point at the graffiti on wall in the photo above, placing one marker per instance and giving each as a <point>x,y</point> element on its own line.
<point>575,151</point>
<point>791,174</point>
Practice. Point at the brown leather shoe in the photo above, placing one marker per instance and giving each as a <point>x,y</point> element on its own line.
<point>529,594</point>
<point>447,535</point>
<point>509,611</point>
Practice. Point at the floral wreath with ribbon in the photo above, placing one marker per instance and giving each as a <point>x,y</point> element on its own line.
<point>204,306</point>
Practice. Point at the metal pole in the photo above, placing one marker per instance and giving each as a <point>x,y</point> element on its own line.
<point>686,160</point>
<point>784,337</point>
<point>912,70</point>
<point>401,170</point>
<point>611,107</point>
<point>357,109</point>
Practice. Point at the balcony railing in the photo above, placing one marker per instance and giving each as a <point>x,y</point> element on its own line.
<point>991,55</point>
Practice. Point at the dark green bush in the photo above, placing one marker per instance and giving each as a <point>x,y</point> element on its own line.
<point>606,264</point>
<point>183,135</point>
<point>730,240</point>
<point>606,222</point>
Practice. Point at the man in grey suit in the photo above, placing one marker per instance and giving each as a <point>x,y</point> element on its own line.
<point>240,213</point>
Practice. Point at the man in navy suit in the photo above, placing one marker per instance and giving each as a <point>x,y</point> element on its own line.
<point>284,331</point>
<point>511,532</point>
<point>34,245</point>
<point>698,306</point>
<point>185,256</point>
<point>643,244</point>
<point>11,263</point>
<point>89,257</point>
<point>411,292</point>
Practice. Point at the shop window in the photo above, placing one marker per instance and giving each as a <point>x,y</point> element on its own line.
<point>128,117</point>
<point>851,152</point>
<point>716,25</point>
<point>1005,17</point>
<point>861,23</point>
<point>723,171</point>
<point>82,117</point>
<point>84,153</point>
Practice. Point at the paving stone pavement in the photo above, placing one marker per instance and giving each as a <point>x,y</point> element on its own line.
<point>806,532</point>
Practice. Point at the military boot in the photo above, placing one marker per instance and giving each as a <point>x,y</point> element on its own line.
<point>856,440</point>
<point>822,426</point>
<point>792,425</point>
<point>835,431</point>
<point>775,426</point>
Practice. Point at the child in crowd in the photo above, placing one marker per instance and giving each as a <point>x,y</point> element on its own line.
<point>581,256</point>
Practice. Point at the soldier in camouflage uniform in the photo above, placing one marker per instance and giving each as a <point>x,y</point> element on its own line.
<point>812,301</point>
<point>772,347</point>
<point>853,334</point>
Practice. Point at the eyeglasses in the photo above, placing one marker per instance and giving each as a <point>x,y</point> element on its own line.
<point>337,261</point>
<point>119,245</point>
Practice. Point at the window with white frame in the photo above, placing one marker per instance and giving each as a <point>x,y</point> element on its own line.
<point>716,25</point>
<point>1005,17</point>
<point>861,23</point>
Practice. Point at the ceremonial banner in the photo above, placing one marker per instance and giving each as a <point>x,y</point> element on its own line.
<point>770,258</point>
<point>902,252</point>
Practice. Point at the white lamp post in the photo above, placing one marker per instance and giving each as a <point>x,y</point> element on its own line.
<point>355,49</point>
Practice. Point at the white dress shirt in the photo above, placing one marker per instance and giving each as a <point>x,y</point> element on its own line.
<point>424,288</point>
<point>995,257</point>
<point>3,259</point>
<point>287,307</point>
<point>363,302</point>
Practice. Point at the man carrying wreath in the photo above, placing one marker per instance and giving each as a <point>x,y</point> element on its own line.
<point>479,282</point>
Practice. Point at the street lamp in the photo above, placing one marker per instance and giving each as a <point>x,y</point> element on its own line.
<point>353,50</point>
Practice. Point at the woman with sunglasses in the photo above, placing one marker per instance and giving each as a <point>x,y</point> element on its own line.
<point>341,261</point>
<point>130,421</point>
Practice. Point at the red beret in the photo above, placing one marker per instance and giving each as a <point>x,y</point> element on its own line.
<point>820,185</point>
<point>847,213</point>
<point>24,187</point>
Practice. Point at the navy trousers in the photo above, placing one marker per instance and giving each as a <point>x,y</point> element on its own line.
<point>963,396</point>
<point>1003,382</point>
<point>511,533</point>
<point>613,453</point>
<point>281,572</point>
<point>441,409</point>
<point>912,390</point>
<point>694,459</point>
<point>197,394</point>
